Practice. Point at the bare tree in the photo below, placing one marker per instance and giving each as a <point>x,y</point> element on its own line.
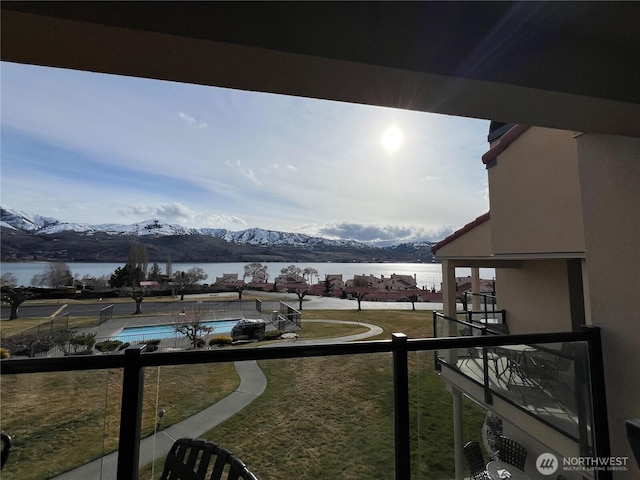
<point>301,294</point>
<point>359,296</point>
<point>191,277</point>
<point>56,275</point>
<point>413,298</point>
<point>309,273</point>
<point>15,297</point>
<point>139,258</point>
<point>8,279</point>
<point>189,323</point>
<point>137,294</point>
<point>291,270</point>
<point>254,270</point>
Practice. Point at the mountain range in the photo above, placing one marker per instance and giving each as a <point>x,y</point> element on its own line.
<point>30,237</point>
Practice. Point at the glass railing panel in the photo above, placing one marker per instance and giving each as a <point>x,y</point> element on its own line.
<point>446,327</point>
<point>548,380</point>
<point>59,421</point>
<point>175,403</point>
<point>316,418</point>
<point>488,318</point>
<point>432,429</point>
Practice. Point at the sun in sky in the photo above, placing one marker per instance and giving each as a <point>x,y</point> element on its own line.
<point>392,139</point>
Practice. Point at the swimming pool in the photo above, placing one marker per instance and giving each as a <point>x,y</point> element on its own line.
<point>149,332</point>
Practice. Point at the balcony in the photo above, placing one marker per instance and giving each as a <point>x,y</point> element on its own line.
<point>110,416</point>
<point>548,381</point>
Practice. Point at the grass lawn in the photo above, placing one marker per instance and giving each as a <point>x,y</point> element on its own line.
<point>332,417</point>
<point>320,418</point>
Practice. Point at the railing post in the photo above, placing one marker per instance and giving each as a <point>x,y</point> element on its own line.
<point>130,414</point>
<point>602,447</point>
<point>401,406</point>
<point>488,399</point>
<point>438,367</point>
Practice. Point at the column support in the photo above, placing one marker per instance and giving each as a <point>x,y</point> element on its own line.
<point>458,433</point>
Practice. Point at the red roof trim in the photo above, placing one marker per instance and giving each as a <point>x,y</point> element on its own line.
<point>458,233</point>
<point>504,142</point>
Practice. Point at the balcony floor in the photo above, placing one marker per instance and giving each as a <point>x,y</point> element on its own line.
<point>556,404</point>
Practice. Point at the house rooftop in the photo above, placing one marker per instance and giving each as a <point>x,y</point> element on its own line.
<point>458,233</point>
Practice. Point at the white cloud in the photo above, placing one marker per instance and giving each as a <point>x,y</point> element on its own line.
<point>192,122</point>
<point>292,168</point>
<point>221,221</point>
<point>380,233</point>
<point>173,212</point>
<point>246,171</point>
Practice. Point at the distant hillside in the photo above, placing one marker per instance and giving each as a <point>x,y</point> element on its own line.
<point>28,237</point>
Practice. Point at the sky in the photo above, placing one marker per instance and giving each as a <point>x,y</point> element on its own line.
<point>95,149</point>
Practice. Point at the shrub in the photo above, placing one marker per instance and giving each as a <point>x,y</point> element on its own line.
<point>221,340</point>
<point>72,342</point>
<point>28,345</point>
<point>4,353</point>
<point>124,345</point>
<point>200,342</point>
<point>108,346</point>
<point>273,334</point>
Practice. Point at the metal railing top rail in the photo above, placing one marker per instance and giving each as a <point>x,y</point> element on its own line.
<point>485,295</point>
<point>134,360</point>
<point>483,327</point>
<point>155,359</point>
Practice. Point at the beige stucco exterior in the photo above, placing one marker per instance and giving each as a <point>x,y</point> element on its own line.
<point>610,184</point>
<point>536,296</point>
<point>535,195</point>
<point>476,243</point>
<point>558,197</point>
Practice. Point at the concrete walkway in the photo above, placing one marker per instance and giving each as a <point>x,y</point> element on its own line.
<point>252,384</point>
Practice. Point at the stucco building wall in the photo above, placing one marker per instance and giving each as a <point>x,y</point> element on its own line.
<point>535,296</point>
<point>610,182</point>
<point>535,195</point>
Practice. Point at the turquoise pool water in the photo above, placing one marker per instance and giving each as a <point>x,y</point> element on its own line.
<point>136,334</point>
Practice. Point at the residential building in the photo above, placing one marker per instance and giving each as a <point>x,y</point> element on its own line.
<point>335,280</point>
<point>563,235</point>
<point>227,278</point>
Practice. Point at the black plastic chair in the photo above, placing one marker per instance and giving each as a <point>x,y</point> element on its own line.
<point>476,461</point>
<point>511,452</point>
<point>197,459</point>
<point>6,447</point>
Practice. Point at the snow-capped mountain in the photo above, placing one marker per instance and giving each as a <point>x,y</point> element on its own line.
<point>253,236</point>
<point>24,221</point>
<point>27,237</point>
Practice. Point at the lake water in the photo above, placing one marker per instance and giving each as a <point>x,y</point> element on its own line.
<point>428,275</point>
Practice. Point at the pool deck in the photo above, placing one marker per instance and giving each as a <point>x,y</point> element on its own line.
<point>114,326</point>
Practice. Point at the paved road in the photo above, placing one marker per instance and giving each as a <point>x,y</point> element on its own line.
<point>216,303</point>
<point>252,384</point>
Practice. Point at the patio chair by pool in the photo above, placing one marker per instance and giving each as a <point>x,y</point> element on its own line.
<point>511,452</point>
<point>197,459</point>
<point>476,461</point>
